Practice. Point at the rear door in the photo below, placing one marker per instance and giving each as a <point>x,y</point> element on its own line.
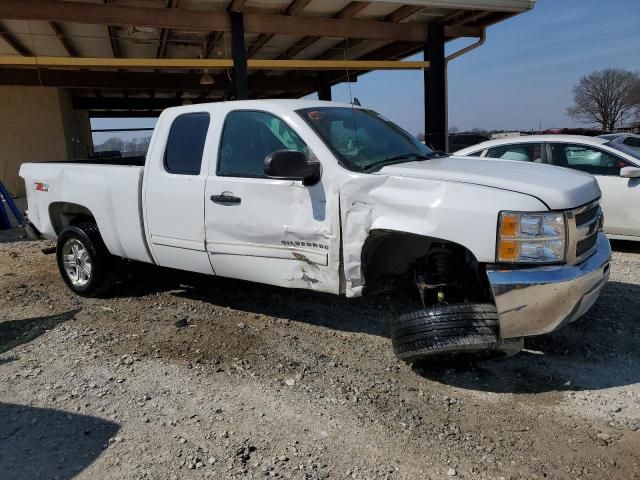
<point>620,196</point>
<point>278,232</point>
<point>174,185</point>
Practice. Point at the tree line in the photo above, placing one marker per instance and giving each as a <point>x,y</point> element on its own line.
<point>130,148</point>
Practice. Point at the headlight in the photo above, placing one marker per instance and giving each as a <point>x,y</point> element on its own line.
<point>531,237</point>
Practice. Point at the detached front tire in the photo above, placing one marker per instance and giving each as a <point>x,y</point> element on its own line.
<point>84,262</point>
<point>469,331</point>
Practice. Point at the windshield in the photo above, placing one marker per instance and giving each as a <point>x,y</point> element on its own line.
<point>362,138</point>
<point>630,146</point>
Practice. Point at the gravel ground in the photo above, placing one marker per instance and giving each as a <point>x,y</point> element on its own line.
<point>181,376</point>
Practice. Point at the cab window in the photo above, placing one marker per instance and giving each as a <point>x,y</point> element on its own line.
<point>586,159</point>
<point>248,137</point>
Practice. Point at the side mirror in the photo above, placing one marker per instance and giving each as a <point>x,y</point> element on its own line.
<point>630,172</point>
<point>292,165</point>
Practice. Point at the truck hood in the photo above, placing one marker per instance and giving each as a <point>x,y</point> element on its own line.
<point>558,188</point>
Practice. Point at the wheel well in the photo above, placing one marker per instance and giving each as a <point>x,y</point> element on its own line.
<point>390,260</point>
<point>63,214</point>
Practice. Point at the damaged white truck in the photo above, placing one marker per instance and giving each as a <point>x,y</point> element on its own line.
<point>336,198</point>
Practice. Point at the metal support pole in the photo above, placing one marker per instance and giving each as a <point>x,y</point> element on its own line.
<point>239,54</point>
<point>324,88</point>
<point>435,91</point>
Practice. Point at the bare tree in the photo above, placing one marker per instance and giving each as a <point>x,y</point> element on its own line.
<point>606,97</point>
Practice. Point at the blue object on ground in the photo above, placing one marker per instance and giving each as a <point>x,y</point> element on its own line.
<point>5,197</point>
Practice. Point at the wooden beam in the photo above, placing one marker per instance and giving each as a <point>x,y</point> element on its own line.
<point>337,65</point>
<point>346,13</point>
<point>461,31</point>
<point>293,9</point>
<point>178,18</point>
<point>113,39</point>
<point>296,7</point>
<point>164,35</point>
<point>66,44</point>
<point>115,80</point>
<point>13,42</point>
<point>189,63</point>
<point>351,10</point>
<point>396,16</point>
<point>236,6</point>
<point>298,47</point>
<point>126,114</point>
<point>330,27</point>
<point>104,62</point>
<point>402,13</point>
<point>113,103</point>
<point>397,50</point>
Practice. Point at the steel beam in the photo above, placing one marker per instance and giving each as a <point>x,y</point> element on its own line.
<point>435,91</point>
<point>239,54</point>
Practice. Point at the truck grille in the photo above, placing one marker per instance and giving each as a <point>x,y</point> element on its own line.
<point>584,225</point>
<point>584,246</point>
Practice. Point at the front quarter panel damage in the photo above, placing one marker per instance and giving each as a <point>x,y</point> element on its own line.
<point>465,214</point>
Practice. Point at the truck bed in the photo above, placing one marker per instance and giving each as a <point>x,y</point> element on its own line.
<point>111,194</point>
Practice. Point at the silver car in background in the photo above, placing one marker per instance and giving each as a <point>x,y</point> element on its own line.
<point>613,159</point>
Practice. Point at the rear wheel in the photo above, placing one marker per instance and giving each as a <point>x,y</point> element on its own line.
<point>468,331</point>
<point>84,262</point>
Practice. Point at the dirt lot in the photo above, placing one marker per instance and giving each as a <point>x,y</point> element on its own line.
<point>188,377</point>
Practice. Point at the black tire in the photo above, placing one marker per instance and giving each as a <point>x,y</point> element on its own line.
<point>103,266</point>
<point>469,330</point>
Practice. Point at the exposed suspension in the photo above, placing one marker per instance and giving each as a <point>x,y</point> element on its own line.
<point>437,275</point>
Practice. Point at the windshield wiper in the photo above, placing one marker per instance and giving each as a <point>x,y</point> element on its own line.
<point>402,158</point>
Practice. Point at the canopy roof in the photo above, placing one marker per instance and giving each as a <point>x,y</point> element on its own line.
<point>150,54</point>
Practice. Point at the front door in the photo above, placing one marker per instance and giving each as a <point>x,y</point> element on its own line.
<point>278,232</point>
<point>620,196</point>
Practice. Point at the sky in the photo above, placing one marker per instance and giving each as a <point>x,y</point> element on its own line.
<point>520,79</point>
<point>523,75</point>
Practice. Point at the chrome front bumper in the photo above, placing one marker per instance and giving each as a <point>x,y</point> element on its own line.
<point>535,301</point>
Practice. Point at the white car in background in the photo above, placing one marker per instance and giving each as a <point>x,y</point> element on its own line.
<point>614,160</point>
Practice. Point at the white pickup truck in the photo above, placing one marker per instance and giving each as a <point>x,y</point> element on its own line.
<point>336,198</point>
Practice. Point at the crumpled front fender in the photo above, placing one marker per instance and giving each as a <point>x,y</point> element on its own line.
<point>466,214</point>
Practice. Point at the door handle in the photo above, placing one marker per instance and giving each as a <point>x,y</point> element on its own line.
<point>226,198</point>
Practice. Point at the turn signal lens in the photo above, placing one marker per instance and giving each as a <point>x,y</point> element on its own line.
<point>531,237</point>
<point>509,225</point>
<point>508,251</point>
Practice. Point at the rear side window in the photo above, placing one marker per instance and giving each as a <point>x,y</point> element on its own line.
<point>524,152</point>
<point>633,142</point>
<point>183,154</point>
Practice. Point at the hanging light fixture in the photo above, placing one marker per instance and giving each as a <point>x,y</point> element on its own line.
<point>206,78</point>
